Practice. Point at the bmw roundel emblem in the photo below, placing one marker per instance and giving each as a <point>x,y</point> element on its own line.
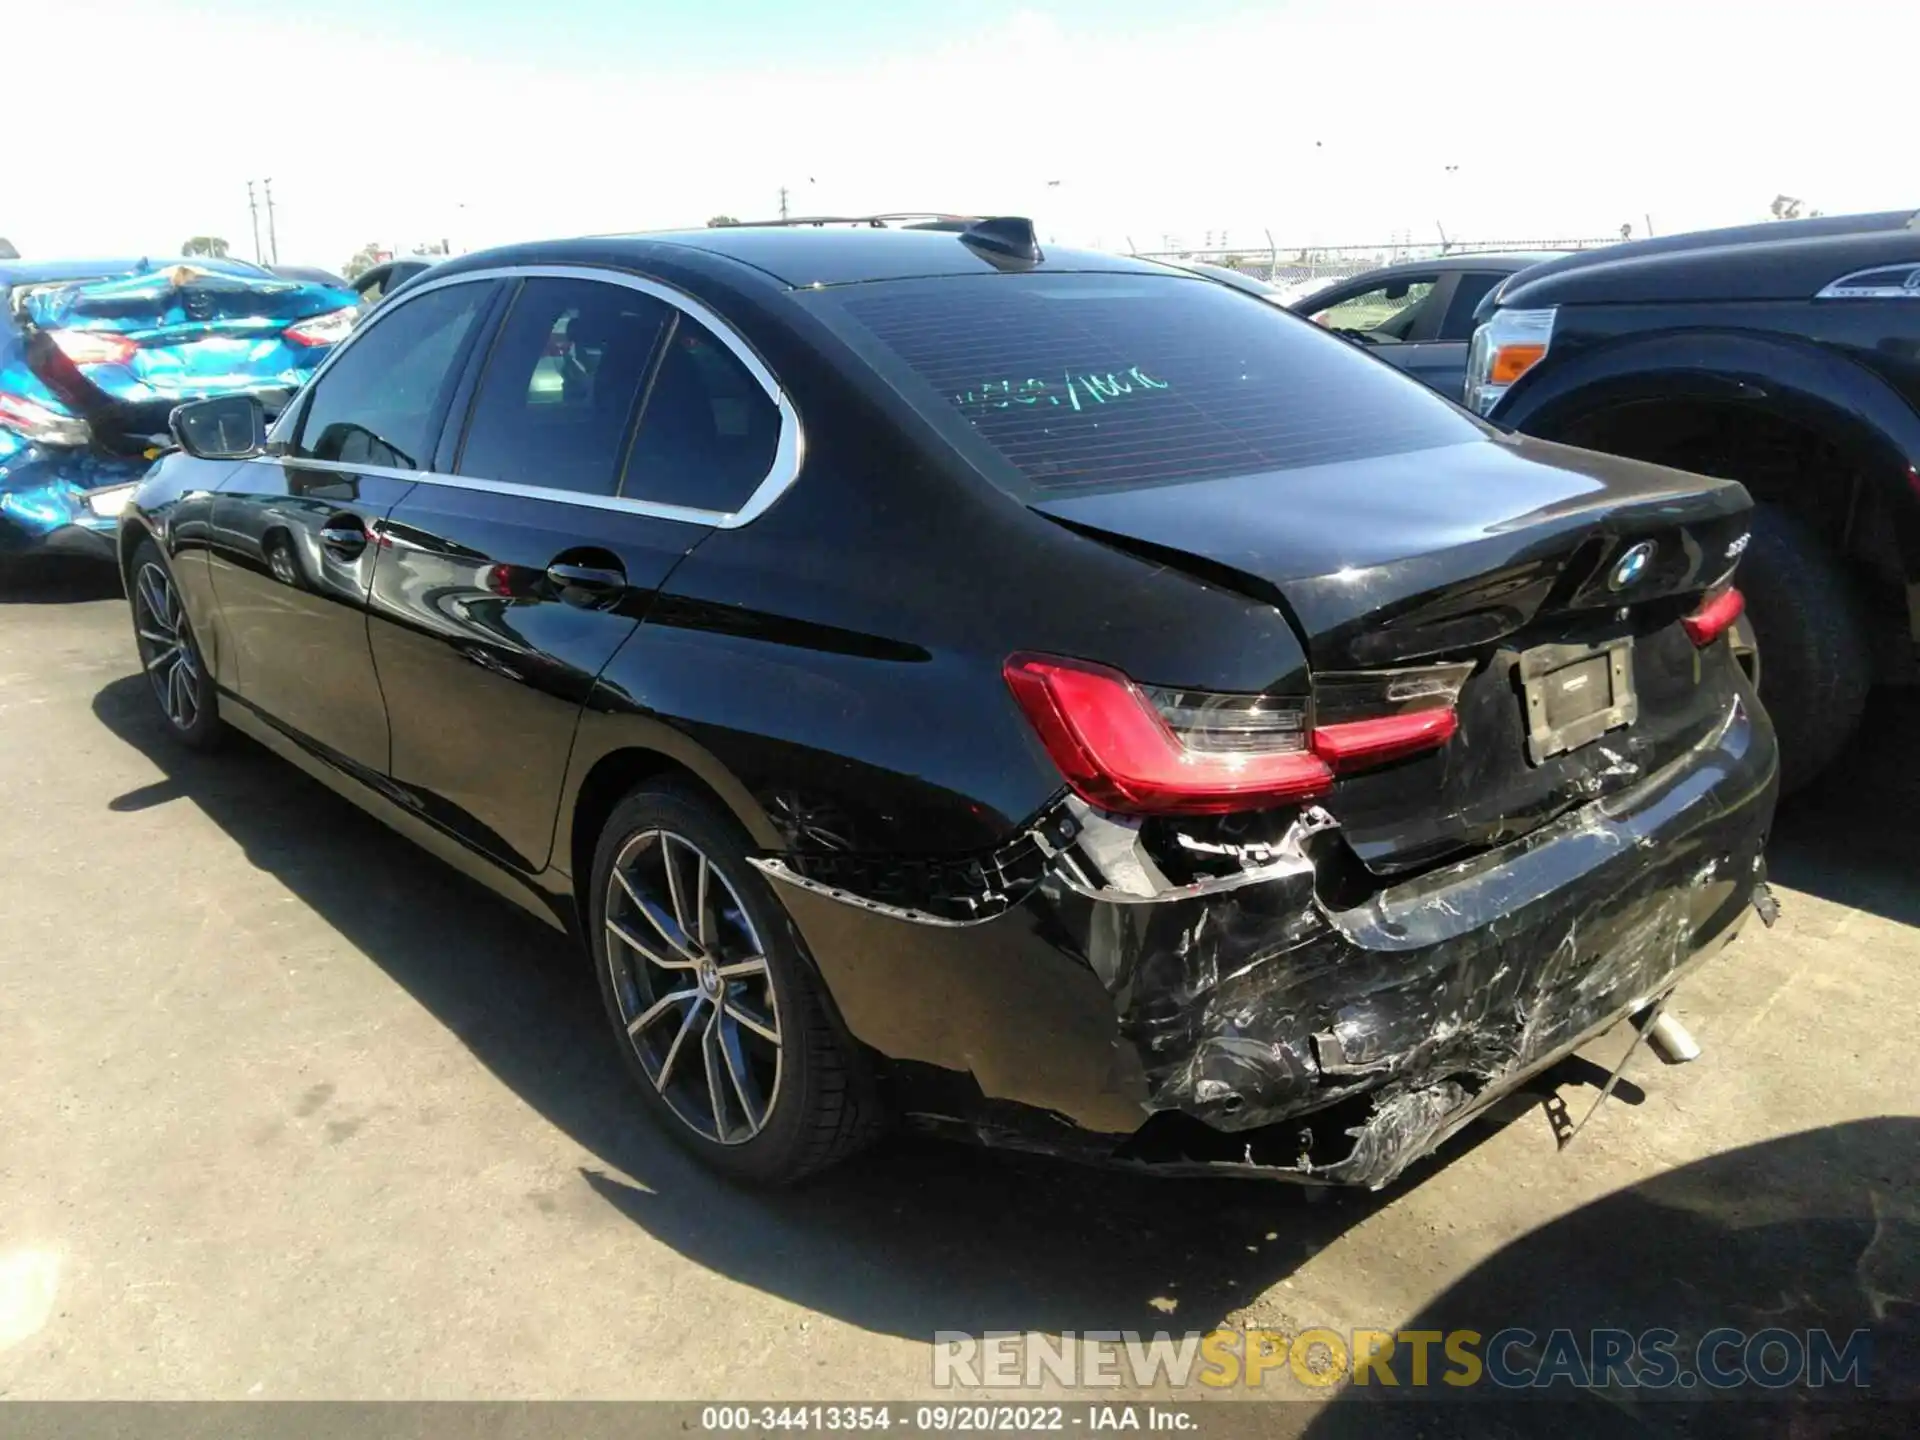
<point>1632,565</point>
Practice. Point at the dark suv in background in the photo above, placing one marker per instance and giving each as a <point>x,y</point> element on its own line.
<point>1786,356</point>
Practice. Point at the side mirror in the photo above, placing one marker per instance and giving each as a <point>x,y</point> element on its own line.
<point>226,427</point>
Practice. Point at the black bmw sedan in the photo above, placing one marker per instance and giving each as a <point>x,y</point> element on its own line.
<point>1038,695</point>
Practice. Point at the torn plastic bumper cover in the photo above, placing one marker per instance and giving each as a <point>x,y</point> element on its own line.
<point>1311,1035</point>
<point>45,499</point>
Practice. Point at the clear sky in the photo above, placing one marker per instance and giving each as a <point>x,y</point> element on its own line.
<point>137,123</point>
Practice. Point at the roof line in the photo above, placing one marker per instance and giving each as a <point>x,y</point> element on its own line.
<point>876,222</point>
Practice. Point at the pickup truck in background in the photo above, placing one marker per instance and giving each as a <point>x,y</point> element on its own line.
<point>1417,316</point>
<point>1786,356</point>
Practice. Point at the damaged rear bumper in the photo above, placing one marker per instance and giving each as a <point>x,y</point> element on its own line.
<point>43,501</point>
<point>1246,1023</point>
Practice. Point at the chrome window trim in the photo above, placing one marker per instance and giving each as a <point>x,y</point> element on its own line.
<point>686,514</point>
<point>789,448</point>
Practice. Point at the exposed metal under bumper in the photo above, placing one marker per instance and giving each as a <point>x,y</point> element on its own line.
<point>1419,1121</point>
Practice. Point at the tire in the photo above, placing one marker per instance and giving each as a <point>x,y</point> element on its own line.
<point>1815,663</point>
<point>183,689</point>
<point>815,1095</point>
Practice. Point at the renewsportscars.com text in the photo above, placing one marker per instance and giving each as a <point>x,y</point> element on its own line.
<point>1509,1359</point>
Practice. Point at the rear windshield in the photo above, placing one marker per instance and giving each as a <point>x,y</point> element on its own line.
<point>1079,381</point>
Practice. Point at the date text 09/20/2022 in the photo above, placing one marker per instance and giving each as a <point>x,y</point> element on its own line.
<point>944,1419</point>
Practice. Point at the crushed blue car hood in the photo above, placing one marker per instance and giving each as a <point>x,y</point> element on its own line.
<point>199,331</point>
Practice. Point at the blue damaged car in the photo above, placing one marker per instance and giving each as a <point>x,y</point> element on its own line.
<point>94,355</point>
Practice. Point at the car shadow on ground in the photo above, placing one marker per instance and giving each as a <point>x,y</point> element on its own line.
<point>914,1237</point>
<point>56,580</point>
<point>1807,1232</point>
<point>1852,836</point>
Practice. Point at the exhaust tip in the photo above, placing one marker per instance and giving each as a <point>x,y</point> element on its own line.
<point>1669,1039</point>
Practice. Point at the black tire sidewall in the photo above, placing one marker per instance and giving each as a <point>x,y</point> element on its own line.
<point>1810,630</point>
<point>207,730</point>
<point>773,1156</point>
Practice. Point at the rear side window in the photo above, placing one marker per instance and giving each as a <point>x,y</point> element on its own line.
<point>378,402</point>
<point>1086,380</point>
<point>558,398</point>
<point>709,432</point>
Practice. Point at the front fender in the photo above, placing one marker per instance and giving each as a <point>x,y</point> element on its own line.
<point>1814,386</point>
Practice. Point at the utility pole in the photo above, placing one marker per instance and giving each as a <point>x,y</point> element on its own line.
<point>783,202</point>
<point>254,211</point>
<point>273,240</point>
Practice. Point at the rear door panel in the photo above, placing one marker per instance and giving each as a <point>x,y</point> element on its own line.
<point>504,588</point>
<point>1441,364</point>
<point>485,662</point>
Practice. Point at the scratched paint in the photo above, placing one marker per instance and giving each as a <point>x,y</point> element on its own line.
<point>1077,390</point>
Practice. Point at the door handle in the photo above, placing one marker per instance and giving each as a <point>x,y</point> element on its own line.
<point>590,578</point>
<point>345,536</point>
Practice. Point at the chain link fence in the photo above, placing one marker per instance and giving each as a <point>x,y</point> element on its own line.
<point>1299,270</point>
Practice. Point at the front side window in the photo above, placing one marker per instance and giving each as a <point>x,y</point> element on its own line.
<point>1088,380</point>
<point>709,432</point>
<point>558,398</point>
<point>378,402</point>
<point>1386,311</point>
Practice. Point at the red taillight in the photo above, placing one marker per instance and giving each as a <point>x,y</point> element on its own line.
<point>35,422</point>
<point>1357,744</point>
<point>1710,621</point>
<point>1158,752</point>
<point>328,329</point>
<point>1117,751</point>
<point>17,412</point>
<point>92,347</point>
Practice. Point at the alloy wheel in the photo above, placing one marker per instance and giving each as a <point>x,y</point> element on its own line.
<point>280,562</point>
<point>166,645</point>
<point>695,994</point>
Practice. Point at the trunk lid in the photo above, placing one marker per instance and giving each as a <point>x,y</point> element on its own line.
<point>120,352</point>
<point>1517,555</point>
<point>1385,561</point>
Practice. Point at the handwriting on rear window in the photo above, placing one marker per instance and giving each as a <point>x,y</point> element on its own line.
<point>1078,390</point>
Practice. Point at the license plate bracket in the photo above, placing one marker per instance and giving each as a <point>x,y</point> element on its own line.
<point>1574,694</point>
